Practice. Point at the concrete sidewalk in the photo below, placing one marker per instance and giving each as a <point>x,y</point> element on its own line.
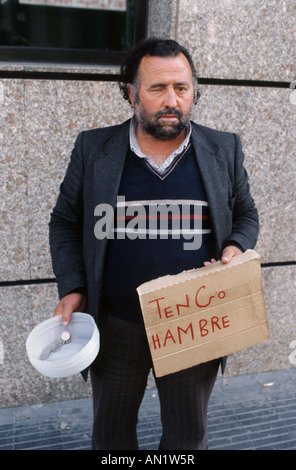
<point>252,412</point>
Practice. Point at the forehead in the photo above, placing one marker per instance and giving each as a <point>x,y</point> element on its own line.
<point>176,68</point>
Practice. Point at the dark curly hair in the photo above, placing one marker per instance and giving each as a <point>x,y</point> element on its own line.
<point>154,47</point>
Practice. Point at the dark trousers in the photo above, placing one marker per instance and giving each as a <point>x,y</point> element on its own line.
<point>119,378</point>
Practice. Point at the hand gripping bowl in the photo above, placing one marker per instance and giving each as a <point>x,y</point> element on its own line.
<point>70,358</point>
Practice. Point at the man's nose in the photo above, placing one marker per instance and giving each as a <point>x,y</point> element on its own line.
<point>170,98</point>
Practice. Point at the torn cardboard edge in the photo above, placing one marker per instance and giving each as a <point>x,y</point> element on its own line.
<point>170,280</point>
<point>186,325</point>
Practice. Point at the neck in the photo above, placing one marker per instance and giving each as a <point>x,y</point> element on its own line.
<point>157,149</point>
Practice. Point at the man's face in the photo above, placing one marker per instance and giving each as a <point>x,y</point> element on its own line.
<point>164,96</point>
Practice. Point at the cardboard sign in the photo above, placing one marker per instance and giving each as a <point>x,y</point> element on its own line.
<point>205,313</point>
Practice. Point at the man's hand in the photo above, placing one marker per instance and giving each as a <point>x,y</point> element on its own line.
<point>227,254</point>
<point>74,302</point>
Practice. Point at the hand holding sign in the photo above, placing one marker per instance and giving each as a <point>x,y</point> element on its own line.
<point>227,254</point>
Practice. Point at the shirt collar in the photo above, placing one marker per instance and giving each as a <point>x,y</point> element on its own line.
<point>136,149</point>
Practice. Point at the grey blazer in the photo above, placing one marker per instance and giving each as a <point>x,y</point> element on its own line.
<point>93,177</point>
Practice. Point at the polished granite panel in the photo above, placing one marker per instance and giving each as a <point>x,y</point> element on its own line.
<point>14,235</point>
<point>251,39</point>
<point>264,120</point>
<point>163,18</point>
<point>40,122</point>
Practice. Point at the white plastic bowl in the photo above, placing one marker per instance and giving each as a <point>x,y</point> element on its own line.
<point>71,358</point>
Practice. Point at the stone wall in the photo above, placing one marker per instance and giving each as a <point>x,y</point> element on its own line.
<point>40,119</point>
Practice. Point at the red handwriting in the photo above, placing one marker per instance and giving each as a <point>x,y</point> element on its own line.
<point>169,311</point>
<point>180,335</point>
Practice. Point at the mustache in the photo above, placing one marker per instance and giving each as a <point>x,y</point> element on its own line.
<point>166,111</point>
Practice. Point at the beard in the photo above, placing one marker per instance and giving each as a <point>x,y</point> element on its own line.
<point>152,125</point>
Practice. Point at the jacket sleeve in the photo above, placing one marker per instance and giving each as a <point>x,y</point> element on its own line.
<point>245,220</point>
<point>66,226</point>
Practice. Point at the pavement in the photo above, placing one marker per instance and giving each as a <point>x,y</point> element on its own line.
<point>250,412</point>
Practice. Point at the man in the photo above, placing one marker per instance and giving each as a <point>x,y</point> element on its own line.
<point>158,159</point>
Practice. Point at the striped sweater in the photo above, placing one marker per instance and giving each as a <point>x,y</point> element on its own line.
<point>161,226</point>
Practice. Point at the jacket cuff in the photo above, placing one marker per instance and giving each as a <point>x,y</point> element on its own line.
<point>232,243</point>
<point>71,284</point>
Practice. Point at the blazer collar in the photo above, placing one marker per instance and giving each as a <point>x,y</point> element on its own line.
<point>118,141</point>
<point>202,141</point>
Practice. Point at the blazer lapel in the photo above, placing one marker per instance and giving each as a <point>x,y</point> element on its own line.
<point>107,173</point>
<point>108,167</point>
<point>213,170</point>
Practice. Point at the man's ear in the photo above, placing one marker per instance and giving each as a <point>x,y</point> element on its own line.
<point>131,95</point>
